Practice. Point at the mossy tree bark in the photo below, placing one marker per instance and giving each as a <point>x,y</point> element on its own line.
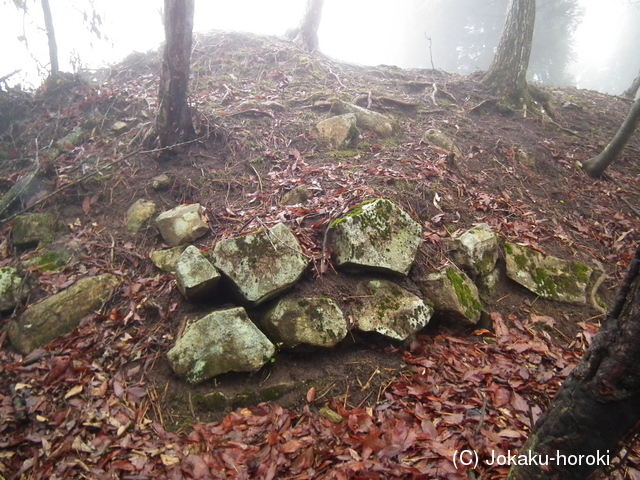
<point>306,35</point>
<point>51,38</point>
<point>507,75</point>
<point>598,164</point>
<point>631,92</point>
<point>173,123</point>
<point>596,408</point>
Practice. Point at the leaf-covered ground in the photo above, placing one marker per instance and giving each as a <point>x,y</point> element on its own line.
<point>102,402</point>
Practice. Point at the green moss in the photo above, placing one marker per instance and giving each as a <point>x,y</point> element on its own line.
<point>464,294</point>
<point>212,402</point>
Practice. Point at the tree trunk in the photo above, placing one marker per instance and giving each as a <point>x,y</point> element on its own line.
<point>173,122</point>
<point>508,72</point>
<point>51,38</point>
<point>597,165</point>
<point>632,91</point>
<point>597,406</point>
<point>306,36</point>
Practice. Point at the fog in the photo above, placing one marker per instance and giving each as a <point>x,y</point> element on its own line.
<point>603,35</point>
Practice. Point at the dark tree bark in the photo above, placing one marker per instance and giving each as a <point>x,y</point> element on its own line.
<point>306,35</point>
<point>508,72</point>
<point>51,38</point>
<point>632,91</point>
<point>173,123</point>
<point>596,408</point>
<point>598,164</point>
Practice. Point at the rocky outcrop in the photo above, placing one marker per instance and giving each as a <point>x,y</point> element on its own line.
<point>454,296</point>
<point>305,322</point>
<point>183,224</point>
<point>337,132</point>
<point>221,342</point>
<point>390,310</point>
<point>261,265</point>
<point>549,277</point>
<point>197,279</point>
<point>60,313</point>
<point>375,235</point>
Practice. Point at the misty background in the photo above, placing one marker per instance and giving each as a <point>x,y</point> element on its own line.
<point>588,43</point>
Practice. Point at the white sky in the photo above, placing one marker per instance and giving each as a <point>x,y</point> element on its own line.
<point>359,31</point>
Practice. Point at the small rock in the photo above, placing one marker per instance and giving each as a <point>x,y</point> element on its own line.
<point>32,230</point>
<point>375,235</point>
<point>453,294</point>
<point>439,139</point>
<point>476,251</point>
<point>549,277</point>
<point>261,265</point>
<point>366,119</point>
<point>296,196</point>
<point>60,313</point>
<point>119,127</point>
<point>167,259</point>
<point>338,132</point>
<point>221,342</point>
<point>390,310</point>
<point>139,213</point>
<point>306,322</point>
<point>197,279</point>
<point>183,224</point>
<point>11,291</point>
<point>331,415</point>
<point>160,182</point>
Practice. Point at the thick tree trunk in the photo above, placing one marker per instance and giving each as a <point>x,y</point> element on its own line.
<point>306,36</point>
<point>174,124</point>
<point>51,38</point>
<point>632,91</point>
<point>598,164</point>
<point>597,406</point>
<point>508,72</point>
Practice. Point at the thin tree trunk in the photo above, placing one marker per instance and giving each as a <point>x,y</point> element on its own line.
<point>508,72</point>
<point>307,33</point>
<point>51,38</point>
<point>174,124</point>
<point>597,406</point>
<point>632,91</point>
<point>597,165</point>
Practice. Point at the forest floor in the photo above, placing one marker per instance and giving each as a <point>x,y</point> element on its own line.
<point>102,401</point>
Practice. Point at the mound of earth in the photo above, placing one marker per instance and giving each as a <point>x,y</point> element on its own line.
<point>255,102</point>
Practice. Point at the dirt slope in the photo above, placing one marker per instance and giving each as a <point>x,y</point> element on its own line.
<point>255,100</point>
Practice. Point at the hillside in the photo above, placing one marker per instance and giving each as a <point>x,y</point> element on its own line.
<point>102,401</point>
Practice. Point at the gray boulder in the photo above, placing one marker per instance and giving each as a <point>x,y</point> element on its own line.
<point>167,259</point>
<point>197,279</point>
<point>375,235</point>
<point>337,132</point>
<point>390,310</point>
<point>223,341</point>
<point>60,313</point>
<point>305,322</point>
<point>453,294</point>
<point>549,277</point>
<point>261,265</point>
<point>183,224</point>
